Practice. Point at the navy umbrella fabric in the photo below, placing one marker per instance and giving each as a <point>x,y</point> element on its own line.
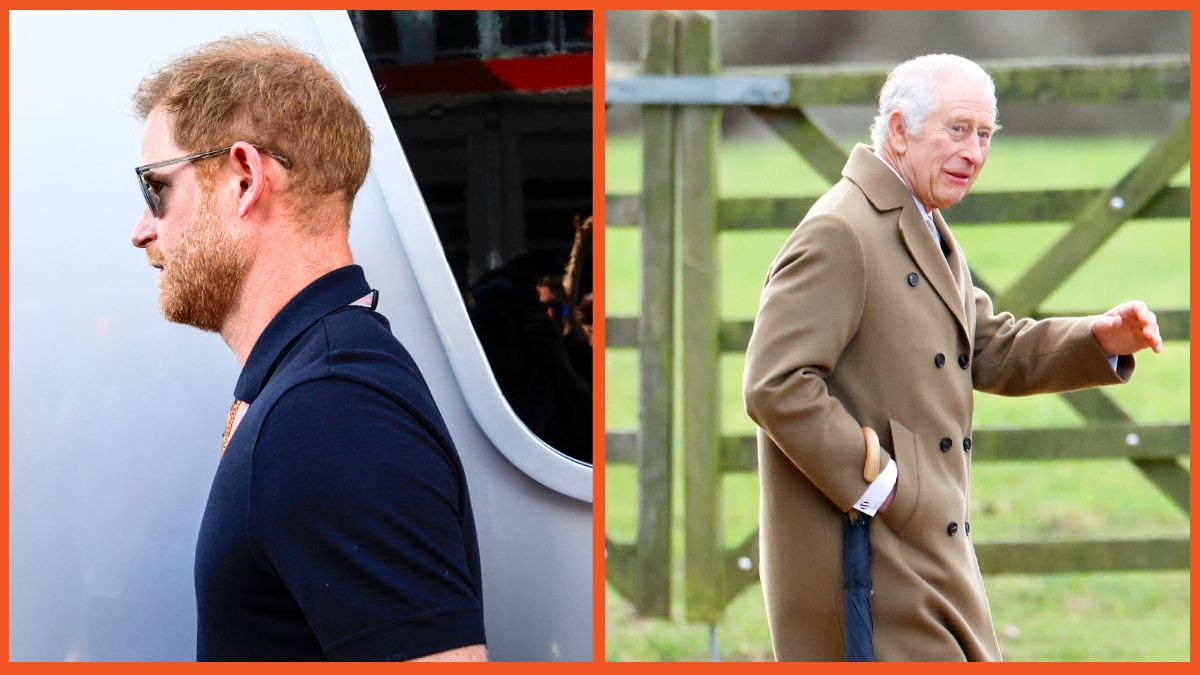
<point>856,580</point>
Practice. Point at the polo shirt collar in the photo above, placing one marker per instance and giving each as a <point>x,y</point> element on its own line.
<point>330,292</point>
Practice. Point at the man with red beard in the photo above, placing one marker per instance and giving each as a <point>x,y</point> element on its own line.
<point>338,525</point>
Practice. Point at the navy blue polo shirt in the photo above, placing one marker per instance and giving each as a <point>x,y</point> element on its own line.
<point>338,525</point>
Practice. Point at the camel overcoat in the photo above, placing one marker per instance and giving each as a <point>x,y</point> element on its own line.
<point>865,322</point>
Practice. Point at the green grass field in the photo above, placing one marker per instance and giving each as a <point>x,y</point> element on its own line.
<point>1112,616</point>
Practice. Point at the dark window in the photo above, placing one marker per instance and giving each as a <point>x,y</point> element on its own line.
<point>507,176</point>
<point>526,29</point>
<point>577,31</point>
<point>456,34</point>
<point>424,36</point>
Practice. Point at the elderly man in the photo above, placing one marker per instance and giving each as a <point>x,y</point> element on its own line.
<point>338,525</point>
<point>869,320</point>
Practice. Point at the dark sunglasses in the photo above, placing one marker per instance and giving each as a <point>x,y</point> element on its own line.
<point>154,199</point>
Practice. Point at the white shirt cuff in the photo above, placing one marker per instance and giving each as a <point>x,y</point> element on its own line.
<point>878,491</point>
<point>1112,361</point>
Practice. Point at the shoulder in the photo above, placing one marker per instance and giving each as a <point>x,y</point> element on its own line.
<point>353,335</point>
<point>845,200</point>
<point>354,349</point>
<point>845,218</point>
<point>338,441</point>
<point>826,236</point>
<point>352,410</point>
<point>842,213</point>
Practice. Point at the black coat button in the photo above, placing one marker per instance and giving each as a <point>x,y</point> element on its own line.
<point>966,445</point>
<point>968,527</point>
<point>939,360</point>
<point>913,278</point>
<point>963,361</point>
<point>952,529</point>
<point>946,443</point>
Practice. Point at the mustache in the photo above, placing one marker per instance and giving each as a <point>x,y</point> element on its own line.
<point>154,256</point>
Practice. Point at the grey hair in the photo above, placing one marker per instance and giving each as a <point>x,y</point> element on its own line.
<point>912,88</point>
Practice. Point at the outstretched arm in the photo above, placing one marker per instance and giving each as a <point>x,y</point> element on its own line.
<point>1018,357</point>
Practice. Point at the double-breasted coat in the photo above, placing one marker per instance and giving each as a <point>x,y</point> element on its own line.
<point>864,322</point>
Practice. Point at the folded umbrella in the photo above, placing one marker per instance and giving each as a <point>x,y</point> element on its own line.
<point>856,567</point>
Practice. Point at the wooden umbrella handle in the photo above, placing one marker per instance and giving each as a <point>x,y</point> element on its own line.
<point>871,464</point>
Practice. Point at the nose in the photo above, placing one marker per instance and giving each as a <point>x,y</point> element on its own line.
<point>146,230</point>
<point>973,150</point>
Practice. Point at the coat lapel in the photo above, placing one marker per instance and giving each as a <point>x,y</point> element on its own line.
<point>958,266</point>
<point>885,192</point>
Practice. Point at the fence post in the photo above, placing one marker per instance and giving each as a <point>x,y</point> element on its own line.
<point>699,127</point>
<point>656,332</point>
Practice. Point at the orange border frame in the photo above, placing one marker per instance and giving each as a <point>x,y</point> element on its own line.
<point>598,333</point>
<point>4,369</point>
<point>599,7</point>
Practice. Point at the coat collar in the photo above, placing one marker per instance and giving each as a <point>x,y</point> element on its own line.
<point>884,190</point>
<point>330,292</point>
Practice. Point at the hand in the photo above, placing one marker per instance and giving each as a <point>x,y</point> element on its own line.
<point>1127,328</point>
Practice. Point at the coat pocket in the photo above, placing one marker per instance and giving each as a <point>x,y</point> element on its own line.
<point>908,485</point>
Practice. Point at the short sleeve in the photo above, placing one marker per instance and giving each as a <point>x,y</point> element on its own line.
<point>365,518</point>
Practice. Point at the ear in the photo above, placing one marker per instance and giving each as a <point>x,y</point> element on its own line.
<point>246,163</point>
<point>896,136</point>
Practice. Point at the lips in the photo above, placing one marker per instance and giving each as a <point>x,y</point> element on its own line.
<point>958,176</point>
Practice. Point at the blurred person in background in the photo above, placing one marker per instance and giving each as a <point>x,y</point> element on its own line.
<point>532,329</point>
